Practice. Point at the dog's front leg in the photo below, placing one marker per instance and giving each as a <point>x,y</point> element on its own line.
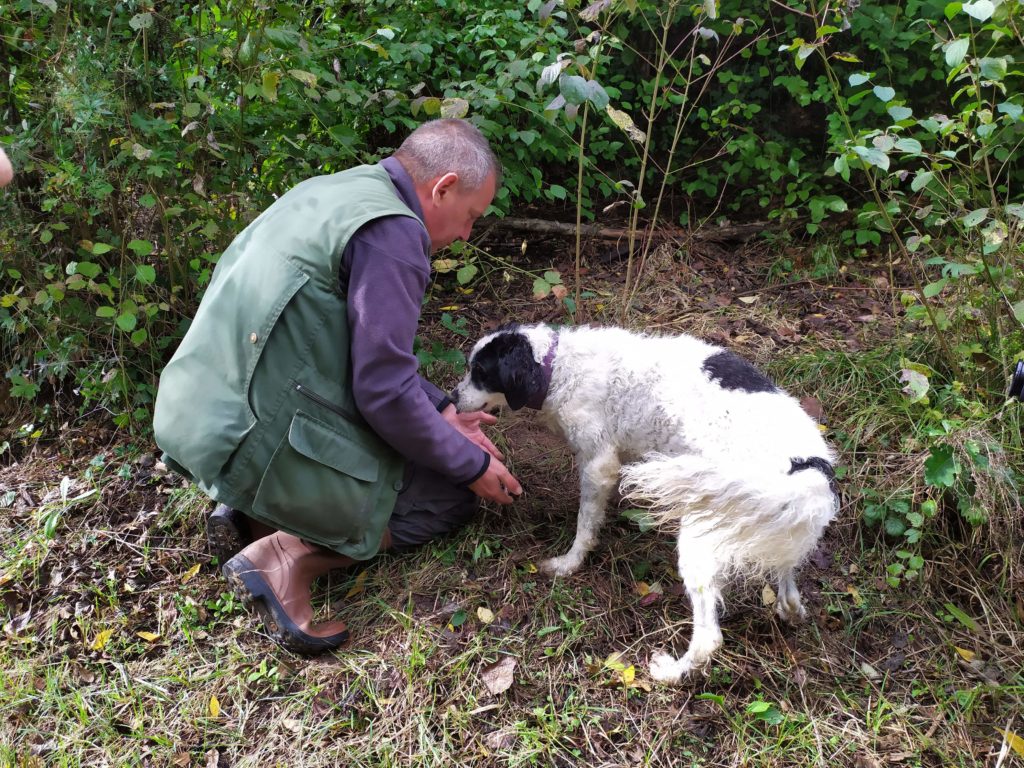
<point>598,476</point>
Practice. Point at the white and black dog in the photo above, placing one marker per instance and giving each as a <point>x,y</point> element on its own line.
<point>694,430</point>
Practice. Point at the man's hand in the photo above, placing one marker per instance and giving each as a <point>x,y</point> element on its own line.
<point>496,484</point>
<point>468,424</point>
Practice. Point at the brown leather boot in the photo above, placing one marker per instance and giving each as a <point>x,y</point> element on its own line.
<point>274,574</point>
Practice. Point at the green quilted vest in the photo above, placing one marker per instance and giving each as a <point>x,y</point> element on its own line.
<point>256,405</point>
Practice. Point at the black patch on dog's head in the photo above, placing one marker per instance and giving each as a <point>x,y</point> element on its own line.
<point>506,365</point>
<point>733,372</point>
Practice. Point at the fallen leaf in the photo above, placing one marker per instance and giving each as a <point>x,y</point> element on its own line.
<point>855,594</point>
<point>291,724</point>
<point>149,637</point>
<point>212,759</point>
<point>1016,742</point>
<point>101,639</point>
<point>499,676</point>
<point>530,568</point>
<point>869,672</point>
<point>768,595</point>
<point>486,615</point>
<point>559,291</point>
<point>359,585</point>
<point>190,573</point>
<point>965,654</point>
<point>214,707</point>
<point>748,299</point>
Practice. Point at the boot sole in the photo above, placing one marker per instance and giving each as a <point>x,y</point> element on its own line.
<point>224,536</point>
<point>254,592</point>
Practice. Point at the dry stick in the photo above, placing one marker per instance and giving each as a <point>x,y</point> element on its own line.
<point>728,233</point>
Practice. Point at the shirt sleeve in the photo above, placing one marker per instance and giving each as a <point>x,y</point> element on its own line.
<point>387,278</point>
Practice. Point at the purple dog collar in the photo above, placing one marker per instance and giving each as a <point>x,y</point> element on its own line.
<point>537,401</point>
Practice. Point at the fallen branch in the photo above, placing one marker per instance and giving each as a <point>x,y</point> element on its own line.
<point>731,232</point>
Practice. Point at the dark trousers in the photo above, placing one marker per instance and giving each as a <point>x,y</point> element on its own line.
<point>428,506</point>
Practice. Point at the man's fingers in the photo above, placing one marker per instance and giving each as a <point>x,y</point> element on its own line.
<point>490,447</point>
<point>487,418</point>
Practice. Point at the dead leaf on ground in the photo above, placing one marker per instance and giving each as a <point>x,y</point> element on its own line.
<point>499,676</point>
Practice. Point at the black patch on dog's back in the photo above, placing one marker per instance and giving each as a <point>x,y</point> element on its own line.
<point>731,371</point>
<point>820,464</point>
<point>506,365</point>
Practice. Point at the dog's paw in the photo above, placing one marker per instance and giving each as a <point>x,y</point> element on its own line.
<point>666,668</point>
<point>790,609</point>
<point>560,566</point>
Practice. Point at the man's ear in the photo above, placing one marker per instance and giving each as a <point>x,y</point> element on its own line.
<point>518,373</point>
<point>444,185</point>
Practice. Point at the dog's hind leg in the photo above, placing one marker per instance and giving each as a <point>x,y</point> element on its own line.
<point>598,477</point>
<point>701,573</point>
<point>788,605</point>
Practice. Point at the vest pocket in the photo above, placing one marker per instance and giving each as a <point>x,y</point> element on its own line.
<point>320,484</point>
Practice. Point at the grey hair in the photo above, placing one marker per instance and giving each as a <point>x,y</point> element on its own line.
<point>445,146</point>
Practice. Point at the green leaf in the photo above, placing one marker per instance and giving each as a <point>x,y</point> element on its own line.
<point>962,617</point>
<point>643,518</point>
<point>899,113</point>
<point>909,146</point>
<point>127,321</point>
<point>884,93</point>
<point>921,180</point>
<point>100,248</point>
<point>956,51</point>
<point>993,68</point>
<point>466,273</point>
<point>141,21</point>
<point>934,289</point>
<point>145,274</point>
<point>981,10</point>
<point>148,200</point>
<point>286,39</point>
<point>88,269</point>
<point>105,312</point>
<point>139,336</point>
<point>952,9</point>
<point>859,78</point>
<point>574,88</point>
<point>596,94</point>
<point>873,156</point>
<point>45,236</point>
<point>1009,108</point>
<point>894,526</point>
<point>975,217</point>
<point>941,468</point>
<point>557,191</point>
<point>541,288</point>
<point>141,247</point>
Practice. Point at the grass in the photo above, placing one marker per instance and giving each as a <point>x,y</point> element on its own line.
<point>122,646</point>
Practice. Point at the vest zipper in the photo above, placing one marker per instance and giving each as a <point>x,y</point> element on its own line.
<point>323,402</point>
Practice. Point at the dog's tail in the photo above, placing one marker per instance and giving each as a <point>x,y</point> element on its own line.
<point>764,513</point>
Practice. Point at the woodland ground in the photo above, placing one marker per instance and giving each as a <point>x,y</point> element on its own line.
<point>122,647</point>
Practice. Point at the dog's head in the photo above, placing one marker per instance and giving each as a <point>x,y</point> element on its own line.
<point>503,370</point>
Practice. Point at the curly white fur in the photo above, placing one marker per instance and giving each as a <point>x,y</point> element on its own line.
<point>712,451</point>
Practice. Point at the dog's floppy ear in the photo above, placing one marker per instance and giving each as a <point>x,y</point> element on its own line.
<point>519,375</point>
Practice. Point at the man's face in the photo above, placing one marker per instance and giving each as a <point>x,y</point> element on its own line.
<point>449,210</point>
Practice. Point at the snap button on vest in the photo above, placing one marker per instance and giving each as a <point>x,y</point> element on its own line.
<point>397,485</point>
<point>253,337</point>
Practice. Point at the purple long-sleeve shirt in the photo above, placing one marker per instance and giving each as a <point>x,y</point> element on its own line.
<point>385,270</point>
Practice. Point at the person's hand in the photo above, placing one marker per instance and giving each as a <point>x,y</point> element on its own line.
<point>496,484</point>
<point>468,424</point>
